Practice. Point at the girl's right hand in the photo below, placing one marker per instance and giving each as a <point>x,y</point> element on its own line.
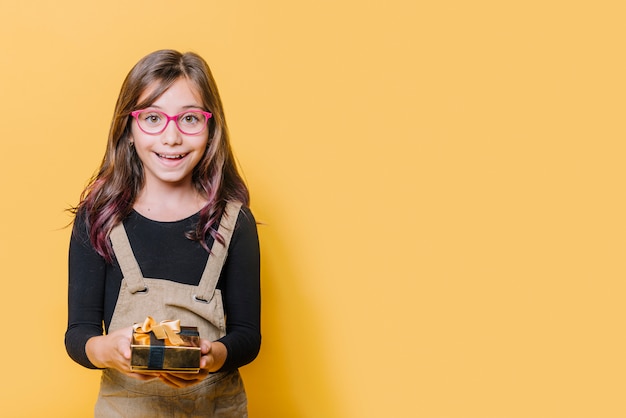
<point>112,351</point>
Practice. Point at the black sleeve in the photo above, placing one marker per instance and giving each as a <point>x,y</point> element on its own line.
<point>240,284</point>
<point>87,271</point>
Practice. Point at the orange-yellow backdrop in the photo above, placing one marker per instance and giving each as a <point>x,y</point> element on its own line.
<point>441,185</point>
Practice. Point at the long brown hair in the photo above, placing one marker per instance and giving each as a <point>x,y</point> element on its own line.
<point>111,193</point>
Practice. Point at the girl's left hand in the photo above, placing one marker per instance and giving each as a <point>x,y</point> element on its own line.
<point>213,358</point>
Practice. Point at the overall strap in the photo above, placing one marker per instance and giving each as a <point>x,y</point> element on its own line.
<point>126,259</point>
<point>217,258</point>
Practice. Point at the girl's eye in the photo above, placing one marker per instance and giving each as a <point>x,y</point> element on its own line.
<point>190,118</point>
<point>152,118</point>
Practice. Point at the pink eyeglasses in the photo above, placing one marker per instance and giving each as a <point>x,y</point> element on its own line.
<point>154,122</point>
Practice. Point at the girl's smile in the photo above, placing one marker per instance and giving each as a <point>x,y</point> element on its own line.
<point>171,159</point>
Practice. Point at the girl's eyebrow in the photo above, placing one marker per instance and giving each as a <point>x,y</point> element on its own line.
<point>184,107</point>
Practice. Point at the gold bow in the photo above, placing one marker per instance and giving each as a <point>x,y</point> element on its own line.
<point>167,330</point>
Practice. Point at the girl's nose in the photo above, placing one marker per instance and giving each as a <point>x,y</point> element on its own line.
<point>171,135</point>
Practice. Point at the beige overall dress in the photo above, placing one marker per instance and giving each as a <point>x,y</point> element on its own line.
<point>220,394</point>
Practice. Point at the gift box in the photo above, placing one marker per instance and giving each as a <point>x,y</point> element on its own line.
<point>165,346</point>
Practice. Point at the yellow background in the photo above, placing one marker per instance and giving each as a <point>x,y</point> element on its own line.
<point>441,185</point>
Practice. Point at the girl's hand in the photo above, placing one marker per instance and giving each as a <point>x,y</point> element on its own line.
<point>213,358</point>
<point>112,351</point>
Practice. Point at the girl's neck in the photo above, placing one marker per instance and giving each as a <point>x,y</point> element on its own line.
<point>167,205</point>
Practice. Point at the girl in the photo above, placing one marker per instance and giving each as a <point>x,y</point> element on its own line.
<point>164,230</point>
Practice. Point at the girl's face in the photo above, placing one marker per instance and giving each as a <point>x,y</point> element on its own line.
<point>169,157</point>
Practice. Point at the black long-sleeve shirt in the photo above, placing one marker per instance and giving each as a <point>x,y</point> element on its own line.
<point>163,251</point>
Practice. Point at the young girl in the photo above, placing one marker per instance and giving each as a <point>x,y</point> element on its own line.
<point>164,230</point>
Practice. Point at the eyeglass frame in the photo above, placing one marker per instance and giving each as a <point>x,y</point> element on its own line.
<point>135,114</point>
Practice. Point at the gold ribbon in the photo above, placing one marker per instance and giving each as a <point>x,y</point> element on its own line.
<point>167,330</point>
